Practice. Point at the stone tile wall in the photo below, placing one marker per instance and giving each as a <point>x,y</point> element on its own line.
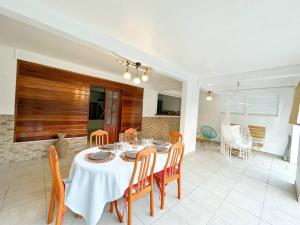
<point>11,152</point>
<point>152,127</point>
<point>159,127</point>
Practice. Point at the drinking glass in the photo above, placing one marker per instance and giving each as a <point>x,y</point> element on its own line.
<point>116,147</point>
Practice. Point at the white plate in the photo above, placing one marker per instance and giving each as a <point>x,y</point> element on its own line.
<point>131,154</point>
<point>108,146</point>
<point>99,155</point>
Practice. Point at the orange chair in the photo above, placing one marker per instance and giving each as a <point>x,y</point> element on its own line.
<point>101,138</point>
<point>143,172</point>
<point>174,137</point>
<point>58,189</point>
<point>130,135</point>
<point>171,171</point>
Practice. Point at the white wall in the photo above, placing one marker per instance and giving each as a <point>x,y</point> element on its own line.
<point>150,102</point>
<point>277,128</point>
<point>7,80</point>
<point>297,183</point>
<point>8,65</point>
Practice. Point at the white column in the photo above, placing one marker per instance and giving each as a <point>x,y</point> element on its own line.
<point>295,144</point>
<point>297,182</point>
<point>189,113</point>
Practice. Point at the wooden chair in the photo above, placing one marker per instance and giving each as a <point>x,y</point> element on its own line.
<point>171,171</point>
<point>141,181</point>
<point>130,135</point>
<point>100,136</point>
<point>58,189</point>
<point>258,135</point>
<point>174,137</point>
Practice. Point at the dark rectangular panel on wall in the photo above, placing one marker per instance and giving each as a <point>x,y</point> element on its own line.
<point>51,100</point>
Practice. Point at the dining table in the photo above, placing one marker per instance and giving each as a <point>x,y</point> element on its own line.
<point>92,185</point>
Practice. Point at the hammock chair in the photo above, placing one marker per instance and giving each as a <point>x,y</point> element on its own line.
<point>236,136</point>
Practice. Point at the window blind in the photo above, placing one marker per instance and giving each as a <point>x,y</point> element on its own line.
<point>257,104</point>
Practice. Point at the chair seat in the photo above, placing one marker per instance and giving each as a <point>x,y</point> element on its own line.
<point>161,173</point>
<point>201,139</point>
<point>134,187</point>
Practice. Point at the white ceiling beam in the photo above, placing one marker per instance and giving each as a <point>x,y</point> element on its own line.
<point>51,21</point>
<point>266,74</point>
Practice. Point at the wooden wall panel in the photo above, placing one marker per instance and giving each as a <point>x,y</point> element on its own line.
<point>131,108</point>
<point>51,100</point>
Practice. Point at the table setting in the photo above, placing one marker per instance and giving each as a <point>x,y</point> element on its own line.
<point>100,175</point>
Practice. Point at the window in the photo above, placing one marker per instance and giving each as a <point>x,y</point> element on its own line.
<point>257,104</point>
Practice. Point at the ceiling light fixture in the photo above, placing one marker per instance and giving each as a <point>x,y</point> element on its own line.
<point>127,74</point>
<point>137,79</point>
<point>145,77</point>
<point>139,67</point>
<point>209,96</point>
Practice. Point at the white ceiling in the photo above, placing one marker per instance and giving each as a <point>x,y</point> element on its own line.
<point>205,37</point>
<point>229,85</point>
<point>32,39</point>
<point>255,42</point>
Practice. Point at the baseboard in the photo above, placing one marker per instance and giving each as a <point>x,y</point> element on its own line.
<point>297,191</point>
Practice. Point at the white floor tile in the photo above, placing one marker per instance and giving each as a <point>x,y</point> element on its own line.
<point>219,185</point>
<point>21,196</point>
<point>236,216</point>
<point>170,218</point>
<point>257,173</point>
<point>33,213</point>
<point>280,204</point>
<point>206,199</point>
<point>275,216</point>
<point>282,181</point>
<point>251,205</point>
<point>192,213</point>
<point>261,222</point>
<point>217,221</point>
<point>214,192</point>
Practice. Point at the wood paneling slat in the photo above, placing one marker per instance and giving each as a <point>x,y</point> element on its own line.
<point>51,100</point>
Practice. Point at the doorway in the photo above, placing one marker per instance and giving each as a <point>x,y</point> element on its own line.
<point>104,111</point>
<point>97,109</point>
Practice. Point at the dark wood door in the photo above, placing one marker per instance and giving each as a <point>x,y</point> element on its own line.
<point>112,113</point>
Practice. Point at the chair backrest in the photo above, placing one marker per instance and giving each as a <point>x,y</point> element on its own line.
<point>130,135</point>
<point>208,132</point>
<point>57,181</point>
<point>143,170</point>
<point>257,132</point>
<point>174,137</point>
<point>100,136</point>
<point>174,160</point>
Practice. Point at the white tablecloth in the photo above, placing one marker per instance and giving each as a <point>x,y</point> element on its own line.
<point>95,184</point>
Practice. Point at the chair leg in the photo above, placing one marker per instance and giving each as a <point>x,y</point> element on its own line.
<point>162,201</point>
<point>111,208</point>
<point>129,214</point>
<point>60,213</point>
<point>78,216</point>
<point>152,201</point>
<point>51,208</point>
<point>157,180</point>
<point>179,187</point>
<point>119,215</point>
<point>203,145</point>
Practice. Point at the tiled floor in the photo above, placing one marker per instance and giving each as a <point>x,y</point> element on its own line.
<point>214,193</point>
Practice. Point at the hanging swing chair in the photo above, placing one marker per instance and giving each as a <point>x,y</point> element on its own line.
<point>236,136</point>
